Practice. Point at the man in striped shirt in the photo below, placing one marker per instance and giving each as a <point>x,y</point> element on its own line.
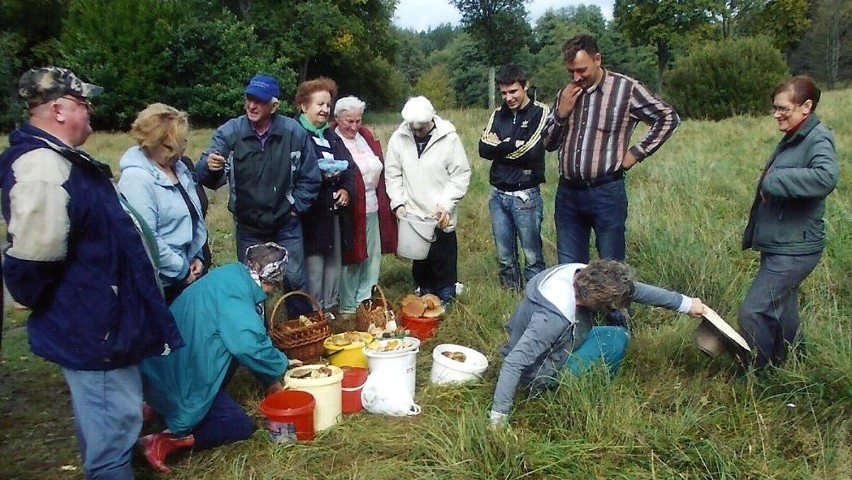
<point>591,123</point>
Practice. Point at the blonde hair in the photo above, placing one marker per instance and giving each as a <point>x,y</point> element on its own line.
<point>160,125</point>
<point>605,283</point>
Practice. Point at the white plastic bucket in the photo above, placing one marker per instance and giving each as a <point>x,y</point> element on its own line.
<point>403,363</point>
<point>446,370</point>
<point>415,237</point>
<point>326,392</point>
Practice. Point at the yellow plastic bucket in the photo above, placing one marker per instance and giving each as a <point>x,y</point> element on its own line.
<point>326,391</point>
<point>349,355</point>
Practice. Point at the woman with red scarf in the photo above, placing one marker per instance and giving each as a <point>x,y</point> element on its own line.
<point>786,224</point>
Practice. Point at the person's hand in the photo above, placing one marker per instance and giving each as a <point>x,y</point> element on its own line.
<point>628,161</point>
<point>567,100</point>
<point>196,267</point>
<point>274,388</point>
<point>443,217</point>
<point>497,419</point>
<point>295,362</point>
<point>400,212</point>
<point>215,162</point>
<point>493,138</point>
<point>341,197</point>
<point>697,308</point>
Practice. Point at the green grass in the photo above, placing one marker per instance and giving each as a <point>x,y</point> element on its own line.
<point>671,412</point>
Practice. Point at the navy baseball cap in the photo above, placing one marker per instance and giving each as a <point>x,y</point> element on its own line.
<point>263,87</point>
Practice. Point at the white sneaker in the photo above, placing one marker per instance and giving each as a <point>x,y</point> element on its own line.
<point>459,288</point>
<point>417,291</point>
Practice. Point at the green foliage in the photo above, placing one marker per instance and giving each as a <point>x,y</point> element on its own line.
<point>215,58</point>
<point>498,27</point>
<point>435,85</point>
<point>660,24</point>
<point>784,20</point>
<point>127,55</point>
<point>824,51</point>
<point>470,72</point>
<point>11,46</point>
<point>411,56</point>
<point>729,77</point>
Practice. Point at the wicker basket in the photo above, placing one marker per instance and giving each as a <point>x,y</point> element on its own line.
<point>302,342</point>
<point>367,312</point>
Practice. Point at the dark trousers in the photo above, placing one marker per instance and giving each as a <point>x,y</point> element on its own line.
<point>438,273</point>
<point>769,315</point>
<point>578,211</point>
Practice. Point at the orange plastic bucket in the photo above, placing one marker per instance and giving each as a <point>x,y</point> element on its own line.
<point>351,386</point>
<point>290,415</point>
<point>423,328</point>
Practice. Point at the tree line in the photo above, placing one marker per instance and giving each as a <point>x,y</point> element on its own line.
<point>197,54</point>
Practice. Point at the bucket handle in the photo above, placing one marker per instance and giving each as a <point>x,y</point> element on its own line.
<point>431,238</point>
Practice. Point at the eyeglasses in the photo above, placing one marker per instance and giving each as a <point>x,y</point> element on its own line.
<point>783,109</point>
<point>83,102</point>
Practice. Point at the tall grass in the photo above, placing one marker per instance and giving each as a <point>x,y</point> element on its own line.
<point>671,412</point>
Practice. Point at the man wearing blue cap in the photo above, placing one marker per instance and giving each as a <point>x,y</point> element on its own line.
<point>271,168</point>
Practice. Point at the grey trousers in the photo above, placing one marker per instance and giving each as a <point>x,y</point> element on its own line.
<point>769,315</point>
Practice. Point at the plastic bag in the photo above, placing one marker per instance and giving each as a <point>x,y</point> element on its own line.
<point>383,394</point>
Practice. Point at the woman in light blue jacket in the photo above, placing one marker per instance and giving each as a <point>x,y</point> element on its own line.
<point>162,190</point>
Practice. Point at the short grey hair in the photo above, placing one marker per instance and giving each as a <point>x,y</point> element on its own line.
<point>346,104</point>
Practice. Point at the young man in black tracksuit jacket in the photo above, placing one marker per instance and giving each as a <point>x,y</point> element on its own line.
<point>512,140</point>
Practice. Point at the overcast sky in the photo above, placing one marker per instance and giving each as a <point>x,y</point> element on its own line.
<point>424,14</point>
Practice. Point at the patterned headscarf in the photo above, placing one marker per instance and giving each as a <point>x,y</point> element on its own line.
<point>266,262</point>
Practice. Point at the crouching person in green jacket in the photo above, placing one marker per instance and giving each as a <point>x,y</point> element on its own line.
<point>220,319</point>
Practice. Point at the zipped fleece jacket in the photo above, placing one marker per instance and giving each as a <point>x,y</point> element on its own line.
<point>266,180</point>
<point>802,171</point>
<point>542,335</point>
<point>219,317</point>
<point>438,177</point>
<point>517,160</point>
<point>161,205</point>
<point>77,259</point>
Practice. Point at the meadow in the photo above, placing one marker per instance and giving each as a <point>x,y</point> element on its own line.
<point>671,413</point>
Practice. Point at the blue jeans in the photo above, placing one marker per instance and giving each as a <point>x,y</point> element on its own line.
<point>580,210</point>
<point>289,236</point>
<point>769,315</point>
<point>108,418</point>
<point>513,219</point>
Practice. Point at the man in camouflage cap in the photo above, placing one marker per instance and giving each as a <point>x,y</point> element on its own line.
<point>78,260</point>
<point>41,85</point>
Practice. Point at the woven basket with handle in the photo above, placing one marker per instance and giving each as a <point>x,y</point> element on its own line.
<point>298,339</point>
<point>375,310</point>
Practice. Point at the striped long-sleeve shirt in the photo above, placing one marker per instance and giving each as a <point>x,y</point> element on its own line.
<point>592,141</point>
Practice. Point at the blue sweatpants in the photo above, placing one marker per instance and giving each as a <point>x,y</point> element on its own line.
<point>225,422</point>
<point>604,343</point>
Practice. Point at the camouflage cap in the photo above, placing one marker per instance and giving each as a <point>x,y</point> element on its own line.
<point>41,85</point>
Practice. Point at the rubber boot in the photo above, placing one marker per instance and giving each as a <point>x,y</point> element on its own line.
<point>157,446</point>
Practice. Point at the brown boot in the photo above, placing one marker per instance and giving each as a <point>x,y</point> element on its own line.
<point>157,446</point>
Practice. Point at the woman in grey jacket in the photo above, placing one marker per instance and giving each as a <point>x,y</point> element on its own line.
<point>785,224</point>
<point>552,327</point>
